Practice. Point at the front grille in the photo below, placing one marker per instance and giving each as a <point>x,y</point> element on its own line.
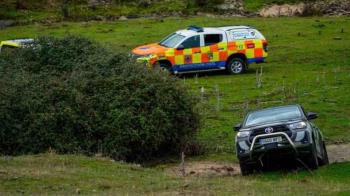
<point>134,56</point>
<point>276,128</point>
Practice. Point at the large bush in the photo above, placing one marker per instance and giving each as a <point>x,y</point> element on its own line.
<point>73,96</point>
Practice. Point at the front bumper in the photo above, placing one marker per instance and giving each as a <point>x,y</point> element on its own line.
<point>283,148</point>
<point>149,61</point>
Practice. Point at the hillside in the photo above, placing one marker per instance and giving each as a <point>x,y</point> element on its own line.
<point>14,12</point>
<point>306,65</point>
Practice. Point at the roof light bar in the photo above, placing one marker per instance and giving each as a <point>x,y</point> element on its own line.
<point>195,28</point>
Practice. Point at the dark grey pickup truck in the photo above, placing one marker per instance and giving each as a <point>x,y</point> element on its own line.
<point>281,131</point>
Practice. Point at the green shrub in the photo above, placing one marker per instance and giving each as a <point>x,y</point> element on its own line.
<point>74,96</point>
<point>204,5</point>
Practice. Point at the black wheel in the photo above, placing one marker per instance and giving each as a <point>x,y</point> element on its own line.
<point>236,66</point>
<point>161,66</point>
<point>324,160</point>
<point>312,160</point>
<point>246,169</point>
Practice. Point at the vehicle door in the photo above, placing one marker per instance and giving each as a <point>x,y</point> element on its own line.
<point>188,54</point>
<point>214,51</point>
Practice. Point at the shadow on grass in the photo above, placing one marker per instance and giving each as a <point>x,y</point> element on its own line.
<point>214,73</point>
<point>336,172</point>
<point>274,168</point>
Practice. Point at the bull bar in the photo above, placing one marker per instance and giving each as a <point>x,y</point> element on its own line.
<point>272,134</point>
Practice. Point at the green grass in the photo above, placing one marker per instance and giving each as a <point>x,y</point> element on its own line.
<point>306,65</point>
<point>50,174</point>
<point>255,5</point>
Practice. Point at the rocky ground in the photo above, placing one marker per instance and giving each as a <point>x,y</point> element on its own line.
<point>236,8</point>
<point>230,8</point>
<point>325,8</point>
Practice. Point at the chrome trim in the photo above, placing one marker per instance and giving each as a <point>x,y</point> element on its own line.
<point>271,134</point>
<point>300,136</point>
<point>257,126</point>
<point>243,145</point>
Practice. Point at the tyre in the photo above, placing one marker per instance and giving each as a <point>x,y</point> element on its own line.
<point>161,66</point>
<point>324,160</point>
<point>246,169</point>
<point>236,66</point>
<point>312,160</point>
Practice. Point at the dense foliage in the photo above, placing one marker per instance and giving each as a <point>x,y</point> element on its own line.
<point>73,96</point>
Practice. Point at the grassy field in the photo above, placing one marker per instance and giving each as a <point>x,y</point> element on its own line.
<point>51,174</point>
<point>308,63</point>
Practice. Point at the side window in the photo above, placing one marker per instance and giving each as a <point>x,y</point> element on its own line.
<point>243,34</point>
<point>211,39</point>
<point>192,42</point>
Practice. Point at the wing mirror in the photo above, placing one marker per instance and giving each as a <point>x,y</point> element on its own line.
<point>180,47</point>
<point>311,115</point>
<point>237,127</point>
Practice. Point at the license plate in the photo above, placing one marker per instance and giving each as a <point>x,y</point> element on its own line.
<point>270,140</point>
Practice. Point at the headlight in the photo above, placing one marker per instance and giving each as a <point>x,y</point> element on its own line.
<point>298,125</point>
<point>243,134</point>
<point>149,56</point>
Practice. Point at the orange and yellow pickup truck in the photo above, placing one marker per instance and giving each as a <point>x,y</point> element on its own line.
<point>196,49</point>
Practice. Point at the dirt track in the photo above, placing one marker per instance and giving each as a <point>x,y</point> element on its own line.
<point>336,153</point>
<point>207,168</point>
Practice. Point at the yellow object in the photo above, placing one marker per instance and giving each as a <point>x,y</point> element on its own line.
<point>16,43</point>
<point>10,43</point>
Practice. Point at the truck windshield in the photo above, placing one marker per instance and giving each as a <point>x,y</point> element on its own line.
<point>172,40</point>
<point>273,115</point>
